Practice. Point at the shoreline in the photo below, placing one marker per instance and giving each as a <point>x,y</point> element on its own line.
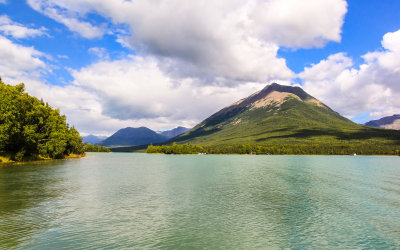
<point>267,154</point>
<point>6,160</point>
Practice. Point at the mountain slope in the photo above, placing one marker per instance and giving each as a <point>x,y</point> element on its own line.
<point>388,122</point>
<point>174,132</point>
<point>93,139</point>
<point>133,136</point>
<point>279,115</point>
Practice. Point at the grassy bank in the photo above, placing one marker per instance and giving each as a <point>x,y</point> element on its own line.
<point>7,159</point>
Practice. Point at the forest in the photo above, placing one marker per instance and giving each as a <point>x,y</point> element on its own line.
<point>30,129</point>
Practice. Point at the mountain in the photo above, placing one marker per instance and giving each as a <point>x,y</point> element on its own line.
<point>388,122</point>
<point>280,115</point>
<point>174,132</point>
<point>133,136</point>
<point>93,139</point>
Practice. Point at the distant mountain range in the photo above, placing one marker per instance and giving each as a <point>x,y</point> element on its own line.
<point>174,132</point>
<point>93,139</point>
<point>140,136</point>
<point>280,115</point>
<point>388,122</point>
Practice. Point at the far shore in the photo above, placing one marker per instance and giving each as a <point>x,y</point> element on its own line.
<point>263,154</point>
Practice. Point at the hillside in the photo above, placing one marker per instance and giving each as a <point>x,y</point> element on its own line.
<point>174,132</point>
<point>279,115</point>
<point>388,122</point>
<point>93,139</point>
<point>133,136</point>
<point>148,138</point>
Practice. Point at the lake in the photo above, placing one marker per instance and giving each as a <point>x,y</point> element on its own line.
<point>202,202</point>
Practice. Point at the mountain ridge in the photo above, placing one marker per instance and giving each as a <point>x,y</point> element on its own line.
<point>174,132</point>
<point>93,139</point>
<point>140,136</point>
<point>277,114</point>
<point>387,122</point>
<point>133,136</point>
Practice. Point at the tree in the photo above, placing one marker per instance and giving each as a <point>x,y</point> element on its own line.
<point>31,129</point>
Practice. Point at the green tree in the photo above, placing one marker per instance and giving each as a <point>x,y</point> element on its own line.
<point>29,128</point>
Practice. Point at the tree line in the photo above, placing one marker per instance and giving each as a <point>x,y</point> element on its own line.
<point>280,149</point>
<point>175,149</point>
<point>95,148</point>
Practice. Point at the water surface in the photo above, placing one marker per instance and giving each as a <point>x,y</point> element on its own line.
<point>202,202</point>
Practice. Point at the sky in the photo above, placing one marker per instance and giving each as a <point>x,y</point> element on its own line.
<point>166,63</point>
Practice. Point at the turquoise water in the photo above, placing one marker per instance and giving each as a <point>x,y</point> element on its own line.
<point>202,202</point>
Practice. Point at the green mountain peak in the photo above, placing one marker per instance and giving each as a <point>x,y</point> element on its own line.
<point>273,95</point>
<point>277,114</point>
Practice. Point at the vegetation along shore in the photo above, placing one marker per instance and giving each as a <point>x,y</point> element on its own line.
<point>32,130</point>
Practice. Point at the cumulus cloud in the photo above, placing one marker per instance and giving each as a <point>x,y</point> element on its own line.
<point>299,24</point>
<point>136,89</point>
<point>26,64</point>
<point>225,42</point>
<point>373,87</point>
<point>17,30</point>
<point>110,95</point>
<point>82,108</point>
<point>62,14</point>
<point>192,57</point>
<point>19,61</point>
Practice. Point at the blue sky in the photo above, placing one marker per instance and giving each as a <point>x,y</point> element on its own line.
<point>365,24</point>
<point>60,41</point>
<point>161,64</point>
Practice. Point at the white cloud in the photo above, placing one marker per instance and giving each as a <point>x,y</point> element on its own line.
<point>327,69</point>
<point>19,61</point>
<point>17,30</point>
<point>110,95</point>
<point>24,64</point>
<point>81,107</point>
<point>391,41</point>
<point>226,41</point>
<point>373,87</point>
<point>3,1</point>
<point>137,90</point>
<point>195,57</point>
<point>60,13</point>
<point>234,40</point>
<point>299,24</point>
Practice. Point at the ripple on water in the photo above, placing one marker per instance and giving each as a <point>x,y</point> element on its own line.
<point>213,202</point>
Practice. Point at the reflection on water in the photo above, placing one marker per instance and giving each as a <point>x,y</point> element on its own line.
<point>24,189</point>
<point>214,202</point>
